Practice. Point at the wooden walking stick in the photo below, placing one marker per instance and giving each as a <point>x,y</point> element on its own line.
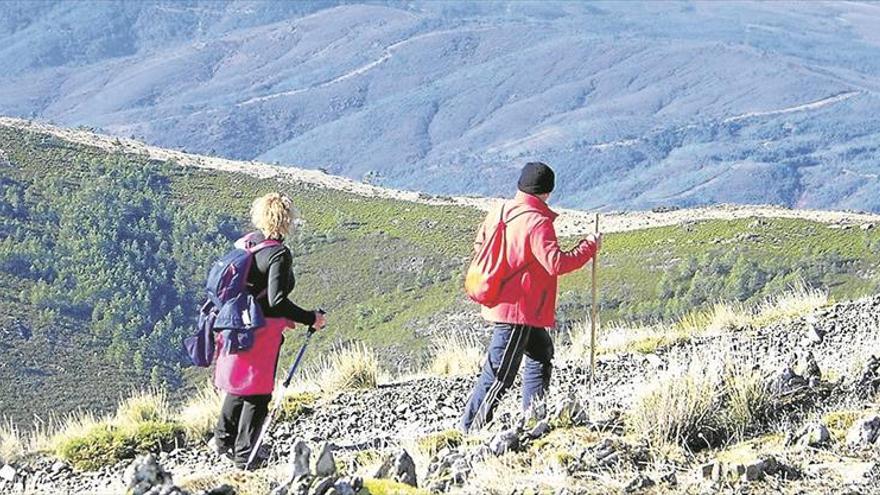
<point>594,310</point>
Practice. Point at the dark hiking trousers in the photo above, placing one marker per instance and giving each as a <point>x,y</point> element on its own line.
<point>240,421</point>
<point>509,343</point>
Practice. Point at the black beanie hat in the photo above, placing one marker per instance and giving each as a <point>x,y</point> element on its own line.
<point>536,178</point>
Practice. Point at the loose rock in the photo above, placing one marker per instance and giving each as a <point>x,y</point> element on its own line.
<point>300,459</point>
<point>810,435</point>
<point>146,477</point>
<point>505,441</point>
<point>326,464</point>
<point>864,432</point>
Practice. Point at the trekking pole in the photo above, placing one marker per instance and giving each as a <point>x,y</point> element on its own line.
<point>280,396</point>
<point>594,310</point>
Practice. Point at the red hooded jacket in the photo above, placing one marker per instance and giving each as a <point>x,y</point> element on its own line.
<point>535,259</point>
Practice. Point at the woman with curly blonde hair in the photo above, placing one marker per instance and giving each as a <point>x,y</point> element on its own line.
<point>248,376</point>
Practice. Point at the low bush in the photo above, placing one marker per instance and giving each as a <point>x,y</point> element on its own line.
<point>389,487</point>
<point>294,405</point>
<point>436,442</point>
<point>106,443</point>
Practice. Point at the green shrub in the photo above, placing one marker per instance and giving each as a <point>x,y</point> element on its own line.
<point>294,405</point>
<point>106,444</point>
<point>389,487</point>
<point>436,442</point>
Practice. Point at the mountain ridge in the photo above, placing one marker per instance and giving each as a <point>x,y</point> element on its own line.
<point>570,222</point>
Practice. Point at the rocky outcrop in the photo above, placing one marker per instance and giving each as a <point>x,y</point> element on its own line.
<point>322,480</point>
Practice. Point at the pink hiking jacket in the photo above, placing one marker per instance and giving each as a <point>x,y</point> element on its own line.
<point>536,261</point>
<point>252,372</point>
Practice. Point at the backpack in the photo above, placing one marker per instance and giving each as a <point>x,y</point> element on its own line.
<point>230,307</point>
<point>488,271</point>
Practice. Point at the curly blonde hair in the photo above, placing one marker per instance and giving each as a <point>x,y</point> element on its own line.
<point>273,214</point>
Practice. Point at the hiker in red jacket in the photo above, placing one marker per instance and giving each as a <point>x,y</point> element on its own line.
<point>248,377</point>
<point>526,306</point>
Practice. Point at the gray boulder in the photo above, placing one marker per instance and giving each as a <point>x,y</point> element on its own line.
<point>144,476</point>
<point>864,432</point>
<point>399,467</point>
<point>323,485</point>
<point>539,430</point>
<point>639,483</point>
<point>326,464</point>
<point>503,442</point>
<point>570,412</point>
<point>299,459</point>
<point>810,435</point>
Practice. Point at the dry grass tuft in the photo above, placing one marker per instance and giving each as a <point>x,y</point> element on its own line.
<point>350,367</point>
<point>142,406</point>
<point>199,414</point>
<point>799,300</point>
<point>612,339</point>
<point>748,402</point>
<point>681,407</point>
<point>13,445</point>
<point>701,405</point>
<point>142,423</point>
<point>59,430</point>
<point>722,317</point>
<point>456,354</point>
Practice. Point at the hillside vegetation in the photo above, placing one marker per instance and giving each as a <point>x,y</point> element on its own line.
<point>102,259</point>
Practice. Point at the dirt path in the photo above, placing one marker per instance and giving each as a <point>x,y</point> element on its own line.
<point>571,222</point>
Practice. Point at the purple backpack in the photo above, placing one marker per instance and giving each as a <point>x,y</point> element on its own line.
<point>230,307</point>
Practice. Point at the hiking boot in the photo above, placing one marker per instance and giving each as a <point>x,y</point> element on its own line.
<point>261,460</point>
<point>219,448</point>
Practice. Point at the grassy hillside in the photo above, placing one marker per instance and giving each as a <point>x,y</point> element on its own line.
<point>102,257</point>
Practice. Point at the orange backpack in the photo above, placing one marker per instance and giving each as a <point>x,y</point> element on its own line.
<point>488,271</point>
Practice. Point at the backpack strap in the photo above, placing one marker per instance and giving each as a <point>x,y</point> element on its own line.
<point>257,247</point>
<point>262,245</point>
<point>527,263</point>
<point>519,215</point>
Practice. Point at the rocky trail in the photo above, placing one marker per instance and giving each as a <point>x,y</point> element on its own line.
<point>815,364</point>
<point>570,222</point>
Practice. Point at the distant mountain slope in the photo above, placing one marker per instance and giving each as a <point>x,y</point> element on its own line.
<point>636,105</point>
